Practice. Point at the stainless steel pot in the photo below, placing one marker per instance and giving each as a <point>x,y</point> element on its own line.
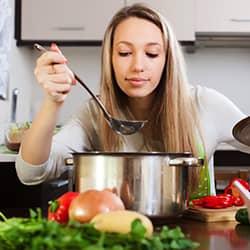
<point>241,131</point>
<point>155,184</point>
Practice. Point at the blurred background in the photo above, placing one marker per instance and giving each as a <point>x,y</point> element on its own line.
<point>214,34</point>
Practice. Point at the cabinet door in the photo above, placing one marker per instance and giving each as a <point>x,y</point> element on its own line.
<point>179,13</point>
<point>64,20</point>
<point>227,16</point>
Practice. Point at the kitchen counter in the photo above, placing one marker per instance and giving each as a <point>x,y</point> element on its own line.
<point>215,235</point>
<point>7,155</point>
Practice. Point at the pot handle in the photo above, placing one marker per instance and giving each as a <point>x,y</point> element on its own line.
<point>71,175</point>
<point>186,162</point>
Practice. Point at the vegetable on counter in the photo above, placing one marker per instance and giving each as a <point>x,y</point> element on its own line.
<point>37,233</point>
<point>215,201</point>
<point>92,202</point>
<point>242,216</point>
<point>229,198</point>
<point>59,208</point>
<point>111,221</point>
<point>232,190</point>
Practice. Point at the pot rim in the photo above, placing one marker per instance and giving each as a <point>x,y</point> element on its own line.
<point>122,154</point>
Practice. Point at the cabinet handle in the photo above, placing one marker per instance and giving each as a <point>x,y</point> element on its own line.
<point>58,183</point>
<point>240,20</point>
<point>76,28</point>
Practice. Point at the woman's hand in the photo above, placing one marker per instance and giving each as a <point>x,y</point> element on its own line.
<point>53,74</point>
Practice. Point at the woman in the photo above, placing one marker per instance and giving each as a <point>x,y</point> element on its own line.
<point>143,77</point>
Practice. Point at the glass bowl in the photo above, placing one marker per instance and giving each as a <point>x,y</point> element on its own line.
<point>14,134</point>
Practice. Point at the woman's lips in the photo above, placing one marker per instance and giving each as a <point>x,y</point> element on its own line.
<point>136,81</point>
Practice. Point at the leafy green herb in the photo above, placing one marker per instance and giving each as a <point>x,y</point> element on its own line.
<point>137,229</point>
<point>37,233</point>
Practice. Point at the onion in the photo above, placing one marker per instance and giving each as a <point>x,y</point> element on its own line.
<point>92,202</point>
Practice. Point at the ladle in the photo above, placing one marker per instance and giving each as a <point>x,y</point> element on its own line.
<point>123,127</point>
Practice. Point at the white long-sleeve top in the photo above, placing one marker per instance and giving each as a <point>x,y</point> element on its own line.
<point>217,116</point>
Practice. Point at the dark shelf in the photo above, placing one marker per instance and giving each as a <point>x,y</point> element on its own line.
<point>231,158</point>
<point>17,198</point>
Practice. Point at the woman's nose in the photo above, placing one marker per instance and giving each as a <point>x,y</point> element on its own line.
<point>138,63</point>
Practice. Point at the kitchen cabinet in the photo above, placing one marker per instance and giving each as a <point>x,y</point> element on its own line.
<point>224,16</point>
<point>69,22</point>
<point>179,13</point>
<point>80,22</point>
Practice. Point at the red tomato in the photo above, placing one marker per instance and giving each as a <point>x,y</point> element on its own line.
<point>58,209</point>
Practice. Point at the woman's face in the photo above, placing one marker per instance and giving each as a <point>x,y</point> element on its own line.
<point>138,57</point>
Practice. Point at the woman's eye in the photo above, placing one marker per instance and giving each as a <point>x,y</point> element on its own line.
<point>151,55</point>
<point>124,54</point>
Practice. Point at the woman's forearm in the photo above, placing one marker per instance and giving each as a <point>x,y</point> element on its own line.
<point>56,79</point>
<point>36,143</point>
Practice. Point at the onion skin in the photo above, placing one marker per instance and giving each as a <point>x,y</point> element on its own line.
<point>92,202</point>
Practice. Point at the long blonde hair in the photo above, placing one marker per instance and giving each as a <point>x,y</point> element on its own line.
<point>175,126</point>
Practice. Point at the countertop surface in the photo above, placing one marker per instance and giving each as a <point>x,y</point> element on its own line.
<point>215,235</point>
<point>7,155</point>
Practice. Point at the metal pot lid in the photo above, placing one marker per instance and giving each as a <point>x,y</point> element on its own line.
<point>241,131</point>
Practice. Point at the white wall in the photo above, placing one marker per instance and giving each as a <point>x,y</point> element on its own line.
<point>224,69</point>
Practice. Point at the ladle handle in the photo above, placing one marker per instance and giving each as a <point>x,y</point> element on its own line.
<point>106,114</point>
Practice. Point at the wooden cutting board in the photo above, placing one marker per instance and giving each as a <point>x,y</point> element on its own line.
<point>211,215</point>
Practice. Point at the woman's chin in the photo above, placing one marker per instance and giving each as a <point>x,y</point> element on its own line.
<point>138,93</point>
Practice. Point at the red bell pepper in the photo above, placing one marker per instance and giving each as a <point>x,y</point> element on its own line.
<point>238,201</point>
<point>214,201</point>
<point>230,189</point>
<point>58,209</point>
<point>231,197</point>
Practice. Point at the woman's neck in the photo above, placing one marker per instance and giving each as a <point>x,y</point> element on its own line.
<point>140,107</point>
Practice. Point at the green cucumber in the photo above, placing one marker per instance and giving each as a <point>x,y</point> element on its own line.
<point>242,216</point>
